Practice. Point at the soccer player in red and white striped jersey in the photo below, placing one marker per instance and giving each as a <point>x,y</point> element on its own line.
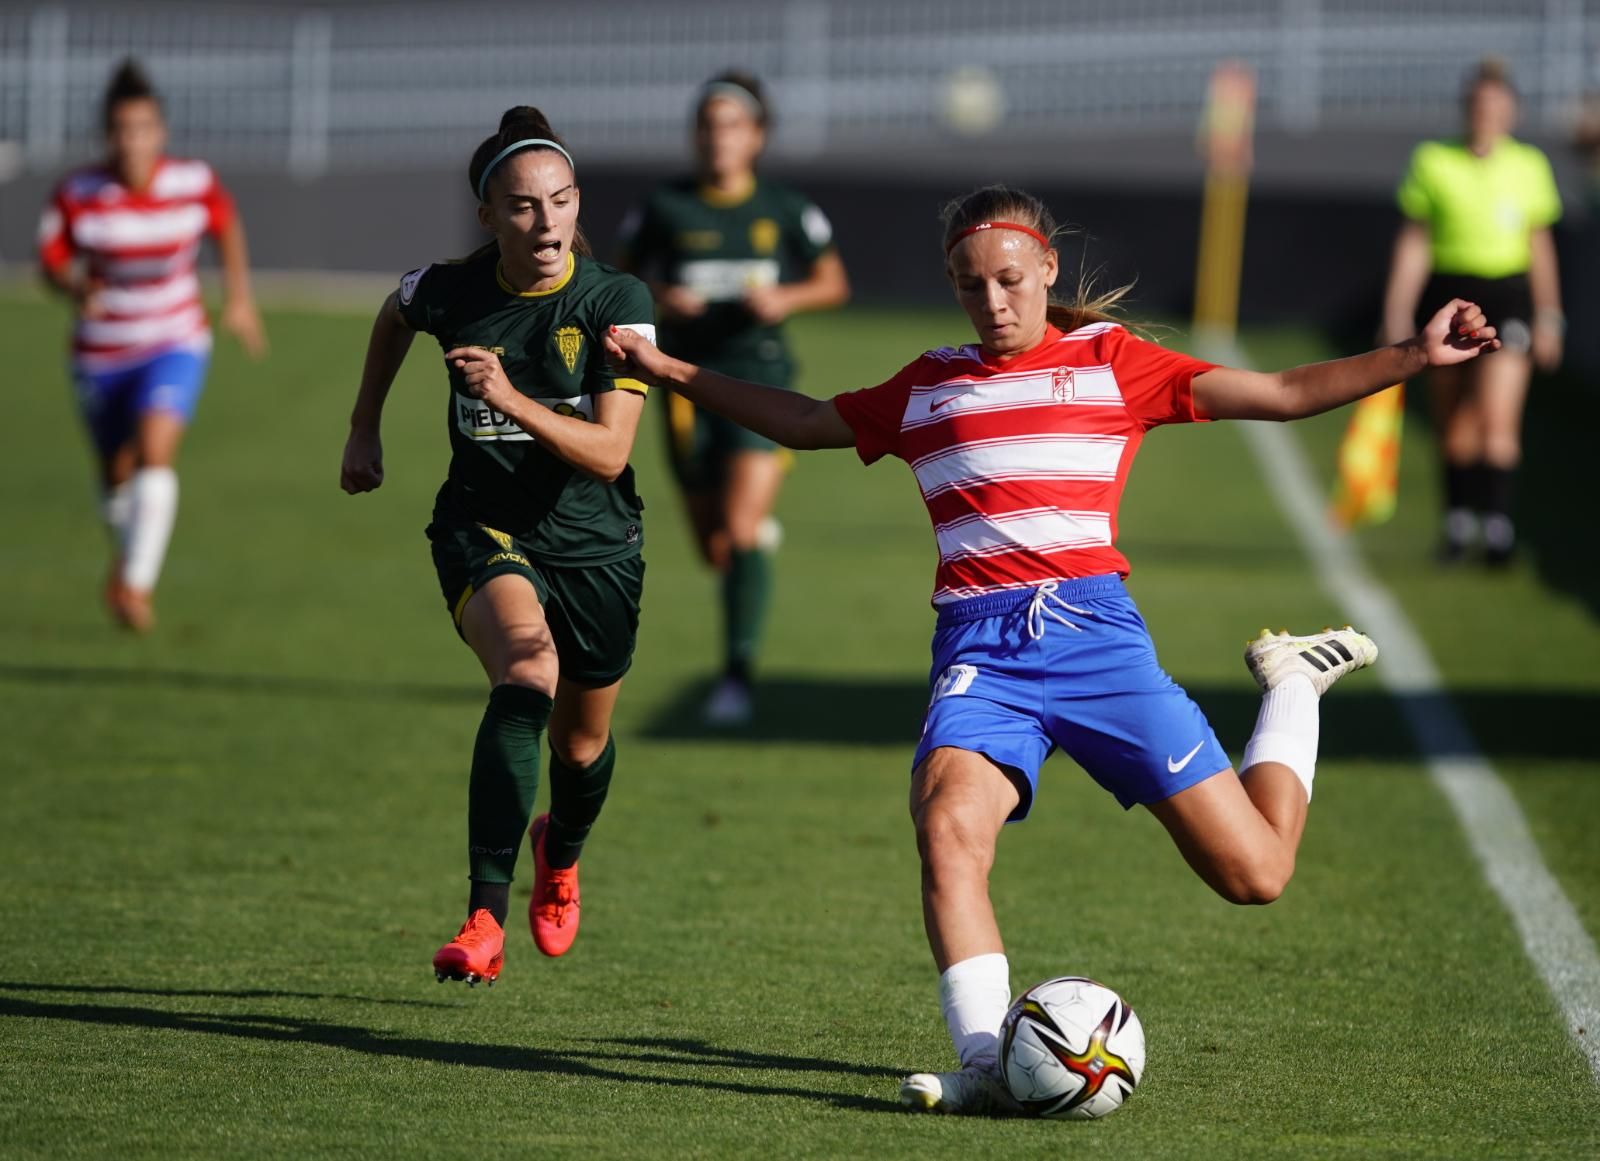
<point>1021,444</point>
<point>120,240</point>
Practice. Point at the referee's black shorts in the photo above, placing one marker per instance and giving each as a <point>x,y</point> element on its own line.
<point>1506,302</point>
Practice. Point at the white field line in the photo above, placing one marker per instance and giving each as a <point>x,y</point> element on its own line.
<point>1552,935</point>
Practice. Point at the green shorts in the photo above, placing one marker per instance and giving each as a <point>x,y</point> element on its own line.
<point>700,442</point>
<point>592,610</point>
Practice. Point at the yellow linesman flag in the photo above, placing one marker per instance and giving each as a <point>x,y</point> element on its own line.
<point>1369,460</point>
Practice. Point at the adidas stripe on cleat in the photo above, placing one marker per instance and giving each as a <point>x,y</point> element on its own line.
<point>1322,657</point>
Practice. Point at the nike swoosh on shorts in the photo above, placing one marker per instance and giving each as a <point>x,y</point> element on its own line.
<point>1175,767</point>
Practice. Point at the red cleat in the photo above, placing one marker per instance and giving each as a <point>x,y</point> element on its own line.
<point>553,910</point>
<point>476,953</point>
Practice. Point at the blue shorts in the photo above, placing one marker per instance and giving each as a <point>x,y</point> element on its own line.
<point>114,401</point>
<point>1095,690</point>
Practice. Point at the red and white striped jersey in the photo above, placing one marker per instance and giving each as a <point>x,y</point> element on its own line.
<point>1022,463</point>
<point>140,247</point>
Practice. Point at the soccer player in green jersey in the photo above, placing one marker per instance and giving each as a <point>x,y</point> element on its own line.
<point>1478,215</point>
<point>728,257</point>
<point>536,533</point>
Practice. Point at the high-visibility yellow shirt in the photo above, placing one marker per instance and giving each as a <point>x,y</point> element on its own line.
<point>1480,211</point>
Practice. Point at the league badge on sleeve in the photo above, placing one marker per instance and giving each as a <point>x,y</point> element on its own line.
<point>408,285</point>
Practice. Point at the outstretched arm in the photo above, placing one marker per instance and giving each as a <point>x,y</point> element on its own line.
<point>1457,333</point>
<point>794,420</point>
<point>362,469</point>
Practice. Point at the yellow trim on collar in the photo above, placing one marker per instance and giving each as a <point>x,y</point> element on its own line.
<point>720,200</point>
<point>500,277</point>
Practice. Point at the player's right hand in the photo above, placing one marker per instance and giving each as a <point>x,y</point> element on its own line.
<point>362,469</point>
<point>636,356</point>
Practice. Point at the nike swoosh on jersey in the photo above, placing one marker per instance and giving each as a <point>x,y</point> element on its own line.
<point>951,398</point>
<point>1175,767</point>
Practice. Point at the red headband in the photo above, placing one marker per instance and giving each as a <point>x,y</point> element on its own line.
<point>1021,229</point>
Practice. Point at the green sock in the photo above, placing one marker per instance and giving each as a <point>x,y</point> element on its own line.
<point>505,777</point>
<point>576,797</point>
<point>746,588</point>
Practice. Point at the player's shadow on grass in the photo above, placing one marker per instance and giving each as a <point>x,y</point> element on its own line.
<point>1359,721</point>
<point>210,993</point>
<point>257,684</point>
<point>631,1061</point>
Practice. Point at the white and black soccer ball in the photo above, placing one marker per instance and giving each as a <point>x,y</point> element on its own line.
<point>1071,1048</point>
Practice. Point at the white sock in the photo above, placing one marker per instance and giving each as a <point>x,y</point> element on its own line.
<point>975,994</point>
<point>1287,729</point>
<point>116,506</point>
<point>154,507</point>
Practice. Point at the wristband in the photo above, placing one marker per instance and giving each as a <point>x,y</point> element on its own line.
<point>1550,318</point>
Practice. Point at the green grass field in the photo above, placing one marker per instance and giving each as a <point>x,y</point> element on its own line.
<point>230,849</point>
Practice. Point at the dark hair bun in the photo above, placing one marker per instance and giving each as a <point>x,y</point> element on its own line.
<point>129,83</point>
<point>518,123</point>
<point>526,120</point>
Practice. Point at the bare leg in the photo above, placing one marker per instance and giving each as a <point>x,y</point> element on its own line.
<point>504,625</point>
<point>1239,836</point>
<point>754,479</point>
<point>959,802</point>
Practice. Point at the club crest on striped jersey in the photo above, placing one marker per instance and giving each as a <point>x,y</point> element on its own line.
<point>1063,384</point>
<point>569,341</point>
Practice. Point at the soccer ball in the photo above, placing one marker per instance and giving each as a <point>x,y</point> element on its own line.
<point>1071,1048</point>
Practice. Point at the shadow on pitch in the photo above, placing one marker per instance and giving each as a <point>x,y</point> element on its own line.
<point>210,993</point>
<point>619,1060</point>
<point>1359,721</point>
<point>259,684</point>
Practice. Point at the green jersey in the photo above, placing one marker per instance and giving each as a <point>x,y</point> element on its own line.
<point>1480,210</point>
<point>719,247</point>
<point>550,344</point>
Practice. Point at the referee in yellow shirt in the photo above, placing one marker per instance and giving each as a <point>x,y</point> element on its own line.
<point>1478,215</point>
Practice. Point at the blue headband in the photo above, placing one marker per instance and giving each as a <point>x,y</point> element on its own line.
<point>525,143</point>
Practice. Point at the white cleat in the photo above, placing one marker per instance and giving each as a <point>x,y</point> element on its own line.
<point>968,1091</point>
<point>1323,657</point>
<point>729,704</point>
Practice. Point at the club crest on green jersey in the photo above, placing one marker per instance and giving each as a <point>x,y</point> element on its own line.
<point>569,341</point>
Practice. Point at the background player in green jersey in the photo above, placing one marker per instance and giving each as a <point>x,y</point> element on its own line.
<point>728,257</point>
<point>1478,216</point>
<point>536,533</point>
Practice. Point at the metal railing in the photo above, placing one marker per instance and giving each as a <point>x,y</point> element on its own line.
<point>320,90</point>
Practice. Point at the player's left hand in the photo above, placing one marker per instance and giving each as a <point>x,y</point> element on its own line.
<point>1547,343</point>
<point>1458,331</point>
<point>484,377</point>
<point>768,305</point>
<point>241,320</point>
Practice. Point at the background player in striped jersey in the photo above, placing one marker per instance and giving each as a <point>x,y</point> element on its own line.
<point>728,257</point>
<point>120,240</point>
<point>1021,444</point>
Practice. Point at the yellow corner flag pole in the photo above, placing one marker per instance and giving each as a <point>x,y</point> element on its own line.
<point>1226,135</point>
<point>1369,460</point>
